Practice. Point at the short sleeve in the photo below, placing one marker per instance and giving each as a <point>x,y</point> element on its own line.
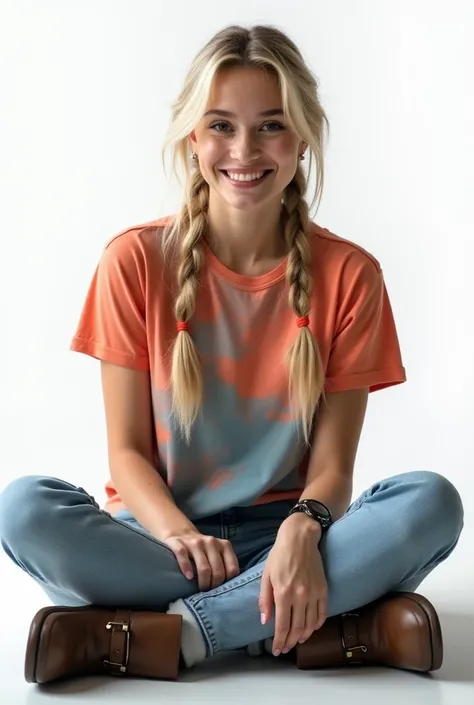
<point>365,350</point>
<point>112,325</point>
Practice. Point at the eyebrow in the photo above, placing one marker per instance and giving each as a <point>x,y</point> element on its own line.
<point>226,113</point>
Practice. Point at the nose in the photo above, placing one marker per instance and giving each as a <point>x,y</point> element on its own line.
<point>245,148</point>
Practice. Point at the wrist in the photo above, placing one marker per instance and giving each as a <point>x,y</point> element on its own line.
<point>174,526</point>
<point>170,532</point>
<point>301,522</point>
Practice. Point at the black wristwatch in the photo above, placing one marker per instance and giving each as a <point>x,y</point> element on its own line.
<point>316,510</point>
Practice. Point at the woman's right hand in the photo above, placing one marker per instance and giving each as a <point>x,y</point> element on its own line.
<point>215,560</point>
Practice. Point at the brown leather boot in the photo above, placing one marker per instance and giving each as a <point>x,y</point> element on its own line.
<point>79,641</point>
<point>401,630</point>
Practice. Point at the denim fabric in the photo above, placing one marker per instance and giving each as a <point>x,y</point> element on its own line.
<point>389,539</point>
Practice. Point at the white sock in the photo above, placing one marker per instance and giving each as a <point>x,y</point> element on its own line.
<point>193,647</point>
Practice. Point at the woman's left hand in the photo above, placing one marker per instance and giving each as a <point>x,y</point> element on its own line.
<point>294,582</point>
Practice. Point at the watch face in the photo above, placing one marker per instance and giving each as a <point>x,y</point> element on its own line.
<point>317,507</point>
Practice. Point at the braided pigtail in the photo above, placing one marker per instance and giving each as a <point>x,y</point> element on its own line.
<point>306,373</point>
<point>186,375</point>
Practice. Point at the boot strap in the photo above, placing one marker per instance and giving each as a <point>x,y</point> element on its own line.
<point>119,648</point>
<point>353,650</point>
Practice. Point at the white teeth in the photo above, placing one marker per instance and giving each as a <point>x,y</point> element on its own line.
<point>244,177</point>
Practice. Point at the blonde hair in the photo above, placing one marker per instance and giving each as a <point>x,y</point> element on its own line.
<point>268,48</point>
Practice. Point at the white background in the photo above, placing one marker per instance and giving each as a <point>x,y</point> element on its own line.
<point>86,89</point>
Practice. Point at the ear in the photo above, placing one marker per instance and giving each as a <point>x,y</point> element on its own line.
<point>192,140</point>
<point>303,147</point>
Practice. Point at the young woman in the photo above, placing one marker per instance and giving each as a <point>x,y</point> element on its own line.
<point>239,341</point>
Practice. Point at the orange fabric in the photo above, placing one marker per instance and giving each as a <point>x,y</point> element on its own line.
<point>245,448</point>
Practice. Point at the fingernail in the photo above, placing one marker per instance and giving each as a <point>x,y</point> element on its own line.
<point>263,619</point>
<point>277,652</point>
<point>189,575</point>
<point>285,651</point>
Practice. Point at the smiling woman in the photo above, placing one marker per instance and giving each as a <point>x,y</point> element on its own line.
<point>247,149</point>
<point>239,342</point>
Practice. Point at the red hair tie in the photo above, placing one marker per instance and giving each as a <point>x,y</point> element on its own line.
<point>182,325</point>
<point>302,322</point>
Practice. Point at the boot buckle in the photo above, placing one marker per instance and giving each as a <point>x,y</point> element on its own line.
<point>118,645</point>
<point>349,654</point>
<point>349,636</point>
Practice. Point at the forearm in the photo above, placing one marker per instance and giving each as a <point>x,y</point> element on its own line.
<point>146,495</point>
<point>332,488</point>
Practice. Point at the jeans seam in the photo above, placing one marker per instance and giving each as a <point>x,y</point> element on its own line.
<point>222,589</point>
<point>205,628</point>
<point>193,603</point>
<point>104,513</point>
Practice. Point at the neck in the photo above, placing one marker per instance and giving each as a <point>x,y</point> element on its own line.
<point>247,242</point>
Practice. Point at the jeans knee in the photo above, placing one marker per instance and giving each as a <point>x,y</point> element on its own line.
<point>21,508</point>
<point>440,503</point>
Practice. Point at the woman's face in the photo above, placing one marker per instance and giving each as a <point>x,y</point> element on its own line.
<point>244,135</point>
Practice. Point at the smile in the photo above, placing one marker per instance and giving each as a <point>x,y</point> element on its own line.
<point>240,180</point>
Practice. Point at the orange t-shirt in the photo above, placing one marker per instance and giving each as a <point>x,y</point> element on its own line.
<point>245,447</point>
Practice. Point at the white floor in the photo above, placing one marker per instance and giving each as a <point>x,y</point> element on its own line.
<point>235,678</point>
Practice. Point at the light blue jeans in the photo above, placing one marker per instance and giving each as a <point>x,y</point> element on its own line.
<point>390,538</point>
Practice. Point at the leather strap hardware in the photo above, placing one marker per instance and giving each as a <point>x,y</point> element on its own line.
<point>349,654</point>
<point>119,644</point>
<point>349,636</point>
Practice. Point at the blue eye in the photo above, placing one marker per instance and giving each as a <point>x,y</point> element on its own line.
<point>278,125</point>
<point>216,126</point>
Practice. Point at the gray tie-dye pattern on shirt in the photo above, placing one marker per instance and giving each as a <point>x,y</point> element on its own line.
<point>239,447</point>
